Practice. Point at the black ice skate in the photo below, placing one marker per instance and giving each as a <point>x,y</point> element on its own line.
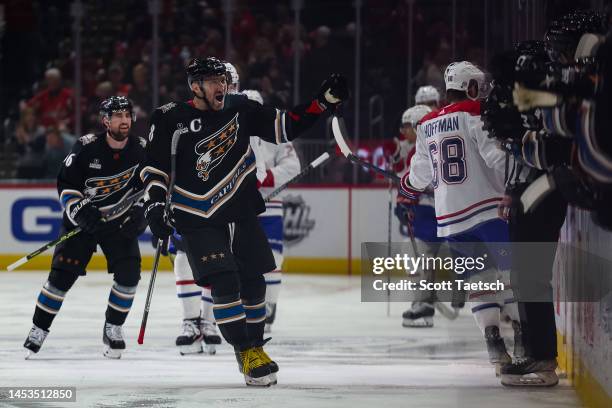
<point>270,316</point>
<point>190,340</point>
<point>113,340</point>
<point>211,336</point>
<point>256,371</point>
<point>528,372</point>
<point>419,315</point>
<point>35,339</point>
<point>498,356</point>
<point>519,349</point>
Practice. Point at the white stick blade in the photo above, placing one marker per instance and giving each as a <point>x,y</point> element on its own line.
<point>339,136</point>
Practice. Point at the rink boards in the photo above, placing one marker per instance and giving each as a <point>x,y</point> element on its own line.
<point>324,226</point>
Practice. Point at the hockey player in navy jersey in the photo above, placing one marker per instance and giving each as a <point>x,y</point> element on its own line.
<point>466,169</point>
<point>215,200</point>
<point>100,172</point>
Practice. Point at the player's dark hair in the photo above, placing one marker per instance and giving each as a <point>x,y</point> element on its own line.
<point>454,95</point>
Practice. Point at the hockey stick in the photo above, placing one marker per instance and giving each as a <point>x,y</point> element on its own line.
<point>158,248</point>
<point>122,205</point>
<point>315,163</point>
<point>339,130</point>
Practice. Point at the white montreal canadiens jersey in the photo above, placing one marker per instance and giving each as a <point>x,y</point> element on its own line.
<point>465,167</point>
<point>276,164</point>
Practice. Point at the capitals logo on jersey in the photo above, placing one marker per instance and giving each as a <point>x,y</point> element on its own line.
<point>213,149</point>
<point>101,187</point>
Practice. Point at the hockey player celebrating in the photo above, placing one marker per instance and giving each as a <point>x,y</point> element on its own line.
<point>276,164</point>
<point>466,169</point>
<point>99,173</point>
<point>215,200</point>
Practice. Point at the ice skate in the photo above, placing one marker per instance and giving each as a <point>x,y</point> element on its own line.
<point>35,339</point>
<point>255,370</point>
<point>267,360</point>
<point>419,315</point>
<point>211,336</point>
<point>496,348</point>
<point>190,340</point>
<point>528,372</point>
<point>113,339</point>
<point>519,349</point>
<point>270,316</point>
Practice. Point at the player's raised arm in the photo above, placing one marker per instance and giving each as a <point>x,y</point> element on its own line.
<point>281,126</point>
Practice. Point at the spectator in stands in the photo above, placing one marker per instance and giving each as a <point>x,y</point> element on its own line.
<point>141,97</point>
<point>58,145</point>
<point>53,105</point>
<point>27,130</point>
<point>92,120</point>
<point>115,76</point>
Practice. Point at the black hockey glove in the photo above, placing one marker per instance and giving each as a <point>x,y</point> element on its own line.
<point>333,91</point>
<point>134,224</point>
<point>157,220</point>
<point>87,216</point>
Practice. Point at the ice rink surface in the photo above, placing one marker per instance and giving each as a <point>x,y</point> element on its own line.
<point>333,351</point>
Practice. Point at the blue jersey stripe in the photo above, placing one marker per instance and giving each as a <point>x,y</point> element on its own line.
<point>228,312</point>
<point>255,313</point>
<point>126,303</point>
<point>47,301</point>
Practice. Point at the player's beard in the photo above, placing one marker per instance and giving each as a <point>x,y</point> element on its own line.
<point>118,135</point>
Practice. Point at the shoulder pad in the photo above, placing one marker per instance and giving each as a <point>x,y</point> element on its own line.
<point>165,108</point>
<point>87,139</point>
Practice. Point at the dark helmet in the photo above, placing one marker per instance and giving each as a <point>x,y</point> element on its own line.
<point>117,104</point>
<point>563,35</point>
<point>198,69</point>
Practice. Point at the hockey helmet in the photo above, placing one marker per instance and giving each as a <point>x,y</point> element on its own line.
<point>413,115</point>
<point>461,75</point>
<point>563,35</point>
<point>427,94</point>
<point>117,104</point>
<point>253,95</point>
<point>232,76</point>
<point>198,69</point>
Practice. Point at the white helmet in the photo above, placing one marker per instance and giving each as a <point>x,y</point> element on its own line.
<point>253,95</point>
<point>427,94</point>
<point>234,79</point>
<point>414,114</point>
<point>458,76</point>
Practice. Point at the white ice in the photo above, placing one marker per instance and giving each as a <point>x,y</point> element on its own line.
<point>333,351</point>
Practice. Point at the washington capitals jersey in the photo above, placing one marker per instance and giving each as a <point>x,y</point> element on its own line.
<point>465,167</point>
<point>93,169</point>
<point>215,165</point>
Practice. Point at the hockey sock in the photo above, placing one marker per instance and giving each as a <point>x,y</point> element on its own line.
<point>485,314</point>
<point>120,301</point>
<point>253,297</point>
<point>207,305</point>
<point>228,309</point>
<point>506,297</point>
<point>187,291</point>
<point>48,304</point>
<point>273,285</point>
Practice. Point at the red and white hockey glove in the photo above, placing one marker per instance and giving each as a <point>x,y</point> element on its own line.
<point>407,191</point>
